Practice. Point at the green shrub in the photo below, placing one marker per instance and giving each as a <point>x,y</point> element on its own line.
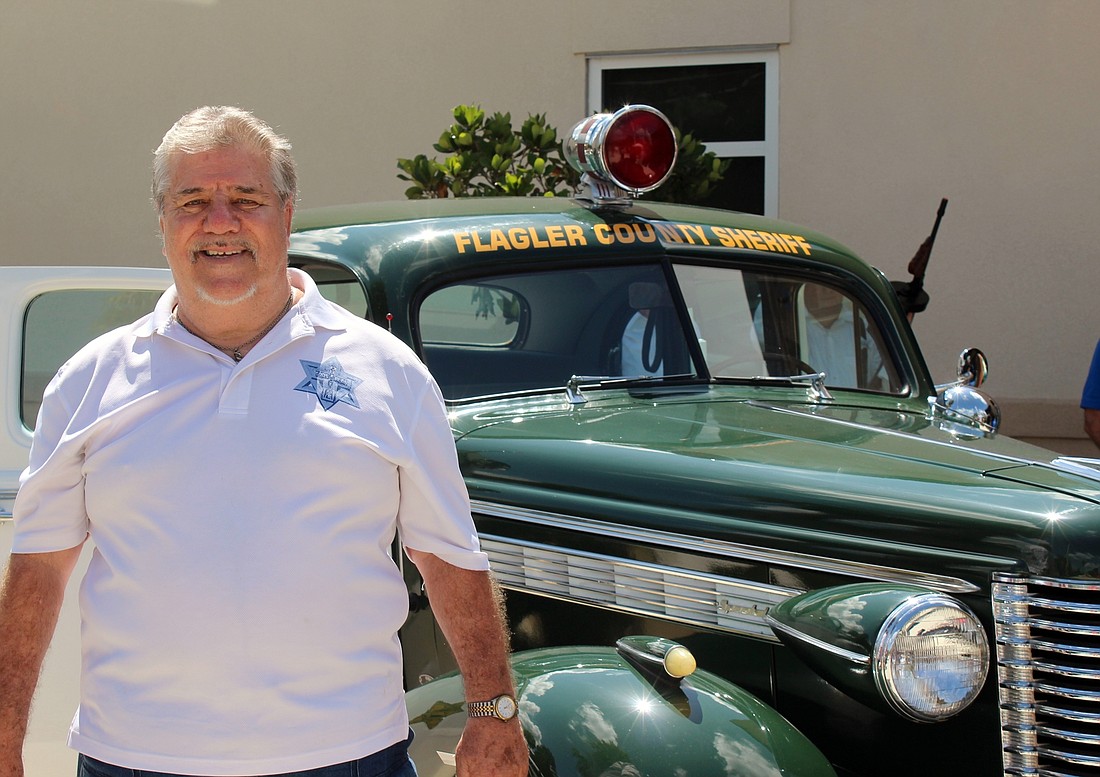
<point>486,156</point>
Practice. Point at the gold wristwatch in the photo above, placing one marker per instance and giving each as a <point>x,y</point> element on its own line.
<point>502,707</point>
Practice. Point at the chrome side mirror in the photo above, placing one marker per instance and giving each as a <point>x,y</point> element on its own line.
<point>962,400</point>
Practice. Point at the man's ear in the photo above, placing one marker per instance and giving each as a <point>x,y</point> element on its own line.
<point>289,214</point>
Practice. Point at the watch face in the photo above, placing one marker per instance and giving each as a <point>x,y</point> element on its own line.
<point>506,707</point>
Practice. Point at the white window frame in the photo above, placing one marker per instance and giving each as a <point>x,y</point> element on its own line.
<point>768,148</point>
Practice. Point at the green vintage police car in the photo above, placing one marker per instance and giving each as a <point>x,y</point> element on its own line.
<point>697,437</point>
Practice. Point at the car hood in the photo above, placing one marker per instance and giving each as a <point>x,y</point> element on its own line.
<point>714,465</point>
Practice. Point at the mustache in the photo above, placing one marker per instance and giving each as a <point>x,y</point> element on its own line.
<point>221,247</point>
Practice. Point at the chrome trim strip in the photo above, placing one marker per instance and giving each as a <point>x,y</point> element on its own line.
<point>724,548</point>
<point>1065,628</point>
<point>1067,735</point>
<point>847,655</point>
<point>1077,465</point>
<point>685,596</point>
<point>1003,457</point>
<point>1075,585</point>
<point>1046,603</point>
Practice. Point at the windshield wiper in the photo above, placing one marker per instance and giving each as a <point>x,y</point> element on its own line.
<point>818,391</point>
<point>573,387</point>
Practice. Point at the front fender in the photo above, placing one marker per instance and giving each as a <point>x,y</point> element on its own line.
<point>590,712</point>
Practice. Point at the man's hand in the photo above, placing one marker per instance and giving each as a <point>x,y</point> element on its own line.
<point>470,611</point>
<point>492,747</point>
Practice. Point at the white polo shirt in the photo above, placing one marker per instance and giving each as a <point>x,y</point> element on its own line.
<point>241,608</point>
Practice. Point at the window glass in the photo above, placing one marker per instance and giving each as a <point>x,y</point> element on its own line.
<point>728,101</point>
<point>59,323</point>
<point>336,284</point>
<point>753,324</point>
<point>472,314</point>
<point>742,189</point>
<point>535,331</point>
<point>718,102</point>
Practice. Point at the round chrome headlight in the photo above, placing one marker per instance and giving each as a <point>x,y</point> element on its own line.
<point>931,657</point>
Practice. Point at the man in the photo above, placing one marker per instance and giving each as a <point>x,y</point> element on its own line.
<point>1090,398</point>
<point>832,342</point>
<point>242,459</point>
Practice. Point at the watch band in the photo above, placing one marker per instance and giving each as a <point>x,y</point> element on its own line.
<point>502,707</point>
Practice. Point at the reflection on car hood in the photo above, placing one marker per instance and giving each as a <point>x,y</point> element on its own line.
<point>822,437</point>
<point>720,466</point>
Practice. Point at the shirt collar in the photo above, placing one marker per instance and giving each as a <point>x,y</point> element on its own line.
<point>312,310</point>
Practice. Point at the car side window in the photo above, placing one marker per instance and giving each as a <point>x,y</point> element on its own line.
<point>472,314</point>
<point>537,330</point>
<point>336,284</point>
<point>58,323</point>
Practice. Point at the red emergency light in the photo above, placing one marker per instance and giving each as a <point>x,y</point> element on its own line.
<point>634,149</point>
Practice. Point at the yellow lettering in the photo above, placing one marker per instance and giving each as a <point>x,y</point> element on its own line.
<point>478,245</point>
<point>724,237</point>
<point>694,229</point>
<point>556,236</point>
<point>536,241</point>
<point>754,239</point>
<point>788,243</point>
<point>575,235</point>
<point>771,242</point>
<point>623,233</point>
<point>518,237</point>
<point>572,235</point>
<point>740,239</point>
<point>668,233</point>
<point>743,240</point>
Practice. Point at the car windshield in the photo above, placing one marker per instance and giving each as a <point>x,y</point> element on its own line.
<point>537,330</point>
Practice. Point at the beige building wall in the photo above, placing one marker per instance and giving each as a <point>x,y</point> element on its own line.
<point>885,107</point>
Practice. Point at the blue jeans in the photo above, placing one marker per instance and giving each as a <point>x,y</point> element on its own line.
<point>394,761</point>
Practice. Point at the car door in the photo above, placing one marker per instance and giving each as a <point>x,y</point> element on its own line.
<point>47,314</point>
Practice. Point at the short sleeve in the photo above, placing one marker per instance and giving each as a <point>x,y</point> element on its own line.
<point>434,513</point>
<point>1090,397</point>
<point>49,509</point>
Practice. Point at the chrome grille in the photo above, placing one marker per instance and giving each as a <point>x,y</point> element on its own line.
<point>1048,657</point>
<point>639,587</point>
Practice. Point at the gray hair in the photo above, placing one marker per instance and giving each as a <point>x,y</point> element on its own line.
<point>210,127</point>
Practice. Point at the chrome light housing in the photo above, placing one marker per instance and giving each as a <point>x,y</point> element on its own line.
<point>931,658</point>
<point>622,154</point>
<point>901,649</point>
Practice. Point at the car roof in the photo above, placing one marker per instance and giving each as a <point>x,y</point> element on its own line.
<point>481,229</point>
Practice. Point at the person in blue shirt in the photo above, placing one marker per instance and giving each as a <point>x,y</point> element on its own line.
<point>1090,398</point>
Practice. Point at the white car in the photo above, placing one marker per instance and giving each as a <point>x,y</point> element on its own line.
<point>50,313</point>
